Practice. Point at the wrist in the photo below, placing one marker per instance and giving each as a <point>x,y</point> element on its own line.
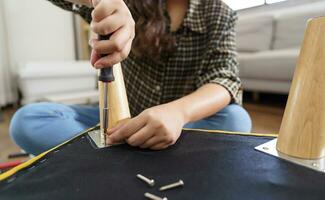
<point>181,110</point>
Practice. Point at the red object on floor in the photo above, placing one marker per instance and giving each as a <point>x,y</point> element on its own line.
<point>10,164</point>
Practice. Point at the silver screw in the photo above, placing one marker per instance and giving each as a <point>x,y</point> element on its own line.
<point>171,186</point>
<point>314,164</point>
<point>154,197</point>
<point>265,148</point>
<point>150,182</point>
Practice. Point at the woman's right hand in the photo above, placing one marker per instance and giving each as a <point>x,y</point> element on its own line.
<point>111,17</point>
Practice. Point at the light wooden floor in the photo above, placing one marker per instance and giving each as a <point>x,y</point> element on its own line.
<point>266,119</point>
<point>6,145</point>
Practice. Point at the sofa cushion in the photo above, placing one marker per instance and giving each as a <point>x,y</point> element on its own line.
<point>270,65</point>
<point>291,24</point>
<point>260,85</point>
<point>57,69</point>
<point>254,33</point>
<point>38,79</point>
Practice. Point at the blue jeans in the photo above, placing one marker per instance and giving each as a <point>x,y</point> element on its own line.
<point>41,126</point>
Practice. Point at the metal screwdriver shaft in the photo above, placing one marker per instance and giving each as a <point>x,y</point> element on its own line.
<point>105,76</point>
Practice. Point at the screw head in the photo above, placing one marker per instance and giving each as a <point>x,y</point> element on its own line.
<point>265,148</point>
<point>315,165</point>
<point>181,182</point>
<point>151,182</point>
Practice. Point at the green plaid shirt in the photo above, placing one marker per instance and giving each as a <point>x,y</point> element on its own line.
<point>205,53</point>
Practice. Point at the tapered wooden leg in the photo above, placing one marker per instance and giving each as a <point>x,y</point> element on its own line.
<point>302,132</point>
<point>117,100</point>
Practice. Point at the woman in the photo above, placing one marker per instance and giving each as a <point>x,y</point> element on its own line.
<point>181,72</point>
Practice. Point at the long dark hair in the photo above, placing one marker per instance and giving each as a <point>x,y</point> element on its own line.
<point>152,35</point>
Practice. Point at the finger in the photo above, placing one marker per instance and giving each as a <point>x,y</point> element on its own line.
<point>114,58</point>
<point>159,146</point>
<point>115,128</point>
<point>109,60</point>
<point>94,2</point>
<point>122,36</point>
<point>105,47</point>
<point>94,57</point>
<point>108,25</point>
<point>102,10</point>
<point>152,141</point>
<point>111,131</point>
<point>128,129</point>
<point>91,41</point>
<point>140,137</point>
<point>117,42</point>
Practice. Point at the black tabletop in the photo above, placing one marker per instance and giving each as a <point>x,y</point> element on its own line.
<point>212,166</point>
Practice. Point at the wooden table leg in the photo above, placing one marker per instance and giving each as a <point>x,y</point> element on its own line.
<point>302,132</point>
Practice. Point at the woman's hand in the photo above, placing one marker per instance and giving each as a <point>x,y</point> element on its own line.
<point>155,128</point>
<point>111,17</point>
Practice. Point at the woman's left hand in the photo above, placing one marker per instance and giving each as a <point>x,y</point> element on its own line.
<point>155,128</point>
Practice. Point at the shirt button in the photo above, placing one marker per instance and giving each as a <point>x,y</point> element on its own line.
<point>75,7</point>
<point>158,88</point>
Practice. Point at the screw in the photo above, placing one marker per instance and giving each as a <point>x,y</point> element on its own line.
<point>314,164</point>
<point>150,182</point>
<point>154,197</point>
<point>265,148</point>
<point>171,186</point>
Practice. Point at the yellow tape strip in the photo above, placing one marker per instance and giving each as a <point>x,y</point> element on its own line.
<point>36,158</point>
<point>16,169</point>
<point>233,133</point>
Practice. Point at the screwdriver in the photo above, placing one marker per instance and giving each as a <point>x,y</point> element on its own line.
<point>105,76</point>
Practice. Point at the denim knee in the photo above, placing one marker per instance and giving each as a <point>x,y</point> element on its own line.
<point>24,123</point>
<point>236,118</point>
<point>232,118</point>
<point>41,126</point>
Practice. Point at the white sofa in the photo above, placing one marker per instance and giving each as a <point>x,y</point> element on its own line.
<point>269,44</point>
<point>69,82</point>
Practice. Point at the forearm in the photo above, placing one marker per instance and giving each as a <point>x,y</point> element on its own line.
<point>204,102</point>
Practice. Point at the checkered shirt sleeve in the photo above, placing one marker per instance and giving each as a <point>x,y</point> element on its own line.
<point>219,64</point>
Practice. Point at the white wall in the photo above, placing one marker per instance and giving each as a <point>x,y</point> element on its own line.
<point>31,30</point>
<point>38,31</point>
<point>7,93</point>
